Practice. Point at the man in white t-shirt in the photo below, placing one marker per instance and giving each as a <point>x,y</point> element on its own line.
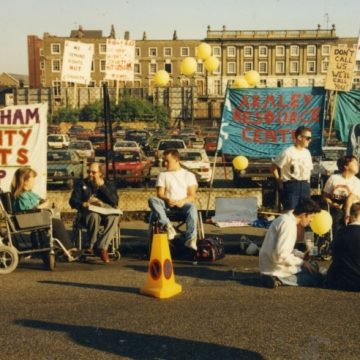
<point>292,169</point>
<point>176,190</point>
<point>342,190</point>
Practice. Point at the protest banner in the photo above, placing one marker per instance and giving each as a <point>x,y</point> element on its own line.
<point>23,142</point>
<point>77,60</point>
<point>261,122</point>
<point>340,72</point>
<point>120,58</point>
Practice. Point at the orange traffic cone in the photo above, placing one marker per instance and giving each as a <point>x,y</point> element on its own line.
<point>160,281</point>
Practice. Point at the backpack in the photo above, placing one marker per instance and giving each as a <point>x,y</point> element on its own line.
<point>210,249</point>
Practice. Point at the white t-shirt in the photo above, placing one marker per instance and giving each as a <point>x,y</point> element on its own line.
<point>295,164</point>
<point>277,255</point>
<point>176,183</point>
<point>340,188</point>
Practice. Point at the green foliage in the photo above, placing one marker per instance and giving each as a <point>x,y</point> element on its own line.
<point>66,115</point>
<point>91,112</point>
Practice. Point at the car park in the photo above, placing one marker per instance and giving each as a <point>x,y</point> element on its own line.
<point>167,144</point>
<point>58,141</point>
<point>63,167</point>
<point>126,145</point>
<point>83,148</point>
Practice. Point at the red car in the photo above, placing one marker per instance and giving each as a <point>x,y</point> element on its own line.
<point>210,144</point>
<point>132,167</point>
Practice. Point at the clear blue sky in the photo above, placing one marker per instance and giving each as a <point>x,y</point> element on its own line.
<point>159,18</point>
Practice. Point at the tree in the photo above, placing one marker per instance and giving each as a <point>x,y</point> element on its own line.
<point>66,115</point>
<point>91,112</point>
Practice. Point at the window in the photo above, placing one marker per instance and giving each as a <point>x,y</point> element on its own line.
<point>184,51</point>
<point>263,51</point>
<point>41,52</point>
<point>42,65</point>
<point>43,81</point>
<point>102,48</point>
<point>168,51</point>
<point>263,67</point>
<point>137,68</point>
<point>231,51</point>
<point>200,87</point>
<point>152,68</point>
<point>55,48</point>
<point>55,65</point>
<point>92,83</point>
<point>280,67</point>
<point>294,67</point>
<point>216,51</point>
<point>56,87</point>
<point>248,51</point>
<point>310,66</point>
<point>280,83</point>
<point>152,51</point>
<point>325,50</point>
<point>294,82</point>
<point>311,50</point>
<point>200,68</point>
<point>137,83</point>
<point>168,68</point>
<point>102,65</point>
<point>231,67</point>
<point>324,66</point>
<point>294,50</point>
<point>137,52</point>
<point>280,50</point>
<point>217,87</point>
<point>357,66</point>
<point>248,65</point>
<point>185,82</point>
<point>263,82</point>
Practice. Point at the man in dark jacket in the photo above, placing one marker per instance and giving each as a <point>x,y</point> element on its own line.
<point>344,271</point>
<point>96,191</point>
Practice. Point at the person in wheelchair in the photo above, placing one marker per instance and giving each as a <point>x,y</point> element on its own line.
<point>96,190</point>
<point>176,190</point>
<point>342,190</point>
<point>25,199</point>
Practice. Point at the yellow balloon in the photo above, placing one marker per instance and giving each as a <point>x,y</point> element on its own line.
<point>203,51</point>
<point>240,162</point>
<point>252,77</point>
<point>321,223</point>
<point>211,63</point>
<point>161,78</point>
<point>188,66</point>
<point>240,83</point>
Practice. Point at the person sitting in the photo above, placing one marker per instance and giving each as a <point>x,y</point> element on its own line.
<point>342,190</point>
<point>25,199</point>
<point>279,262</point>
<point>95,190</point>
<point>176,190</point>
<point>344,271</point>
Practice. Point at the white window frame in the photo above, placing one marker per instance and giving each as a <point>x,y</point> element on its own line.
<point>216,51</point>
<point>53,65</point>
<point>200,68</point>
<point>266,51</point>
<point>217,87</point>
<point>310,52</point>
<point>41,52</point>
<point>325,50</point>
<point>152,49</point>
<point>308,65</point>
<point>281,64</point>
<point>53,45</point>
<point>42,65</point>
<point>184,51</point>
<point>292,63</point>
<point>262,63</point>
<point>280,50</point>
<point>102,65</point>
<point>357,66</point>
<point>137,52</point>
<point>248,51</point>
<point>167,48</point>
<point>231,64</point>
<point>231,51</point>
<point>56,85</point>
<point>294,50</point>
<point>248,65</point>
<point>150,68</point>
<point>139,66</point>
<point>101,48</point>
<point>324,66</point>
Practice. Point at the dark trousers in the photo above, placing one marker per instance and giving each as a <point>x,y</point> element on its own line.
<point>293,190</point>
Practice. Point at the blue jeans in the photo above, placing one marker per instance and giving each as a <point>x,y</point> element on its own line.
<point>302,278</point>
<point>188,212</point>
<point>293,190</point>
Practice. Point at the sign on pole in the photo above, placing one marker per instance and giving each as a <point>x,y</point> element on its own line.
<point>341,69</point>
<point>120,58</point>
<point>23,141</point>
<point>77,62</point>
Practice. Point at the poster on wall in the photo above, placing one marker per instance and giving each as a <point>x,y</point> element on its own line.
<point>261,122</point>
<point>23,142</point>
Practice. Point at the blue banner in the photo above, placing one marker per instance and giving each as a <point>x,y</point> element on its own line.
<point>261,122</point>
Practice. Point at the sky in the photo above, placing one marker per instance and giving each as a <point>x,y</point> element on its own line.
<point>159,18</point>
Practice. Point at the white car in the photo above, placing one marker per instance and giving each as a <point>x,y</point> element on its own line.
<point>58,141</point>
<point>126,145</point>
<point>84,148</point>
<point>167,144</point>
<point>198,163</point>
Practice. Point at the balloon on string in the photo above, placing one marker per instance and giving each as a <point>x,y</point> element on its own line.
<point>240,83</point>
<point>321,223</point>
<point>240,162</point>
<point>203,51</point>
<point>252,77</point>
<point>188,66</point>
<point>161,78</point>
<point>211,63</point>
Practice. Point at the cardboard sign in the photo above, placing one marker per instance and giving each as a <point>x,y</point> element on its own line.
<point>341,69</point>
<point>23,142</point>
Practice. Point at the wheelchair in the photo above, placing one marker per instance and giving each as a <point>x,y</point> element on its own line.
<point>79,236</point>
<point>16,225</point>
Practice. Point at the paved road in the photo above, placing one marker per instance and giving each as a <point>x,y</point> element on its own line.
<point>94,311</point>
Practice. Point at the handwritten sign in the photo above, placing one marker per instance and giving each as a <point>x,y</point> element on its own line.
<point>23,142</point>
<point>341,69</point>
<point>120,58</point>
<point>77,62</point>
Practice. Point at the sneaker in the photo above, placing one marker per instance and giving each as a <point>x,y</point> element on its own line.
<point>104,255</point>
<point>171,232</point>
<point>271,282</point>
<point>191,243</point>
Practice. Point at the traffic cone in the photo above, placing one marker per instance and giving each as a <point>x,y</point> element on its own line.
<point>160,281</point>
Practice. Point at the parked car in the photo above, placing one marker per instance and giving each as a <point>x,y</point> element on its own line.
<point>84,148</point>
<point>131,166</point>
<point>98,142</point>
<point>167,144</point>
<point>126,145</point>
<point>58,141</point>
<point>74,130</point>
<point>53,129</point>
<point>198,163</point>
<point>210,144</point>
<point>63,167</point>
<point>140,136</point>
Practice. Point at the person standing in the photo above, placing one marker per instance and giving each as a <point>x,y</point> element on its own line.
<point>292,169</point>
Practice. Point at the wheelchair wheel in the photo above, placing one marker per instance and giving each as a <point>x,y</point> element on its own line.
<point>9,259</point>
<point>115,256</point>
<point>50,261</point>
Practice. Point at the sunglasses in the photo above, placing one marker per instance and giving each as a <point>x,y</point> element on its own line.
<point>308,138</point>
